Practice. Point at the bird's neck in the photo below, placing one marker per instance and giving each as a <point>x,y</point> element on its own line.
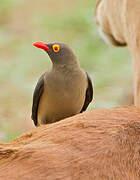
<point>68,67</point>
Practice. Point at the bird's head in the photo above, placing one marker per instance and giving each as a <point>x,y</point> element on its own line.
<point>59,53</point>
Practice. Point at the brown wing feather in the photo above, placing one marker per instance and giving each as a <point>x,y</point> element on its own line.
<point>89,94</point>
<point>36,98</point>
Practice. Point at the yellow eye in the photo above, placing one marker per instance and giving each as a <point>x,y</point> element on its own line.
<point>56,48</point>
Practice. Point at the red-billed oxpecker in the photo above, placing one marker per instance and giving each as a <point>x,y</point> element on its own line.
<point>62,91</point>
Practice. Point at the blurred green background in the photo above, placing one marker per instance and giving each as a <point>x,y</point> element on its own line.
<point>71,21</point>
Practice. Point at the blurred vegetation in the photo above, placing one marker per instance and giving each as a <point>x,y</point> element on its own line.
<point>23,22</point>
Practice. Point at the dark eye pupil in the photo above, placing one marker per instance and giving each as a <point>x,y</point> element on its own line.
<point>56,48</point>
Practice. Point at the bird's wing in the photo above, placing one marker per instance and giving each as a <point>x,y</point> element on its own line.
<point>36,98</point>
<point>89,94</point>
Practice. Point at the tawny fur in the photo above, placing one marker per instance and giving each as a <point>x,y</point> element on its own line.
<point>119,21</point>
<point>97,145</point>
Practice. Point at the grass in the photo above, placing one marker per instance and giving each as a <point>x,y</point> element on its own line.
<point>21,64</point>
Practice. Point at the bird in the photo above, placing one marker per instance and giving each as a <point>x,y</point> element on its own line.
<point>62,91</point>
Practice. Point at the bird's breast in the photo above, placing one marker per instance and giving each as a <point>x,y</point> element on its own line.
<point>62,96</point>
<point>64,87</point>
<point>64,93</point>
